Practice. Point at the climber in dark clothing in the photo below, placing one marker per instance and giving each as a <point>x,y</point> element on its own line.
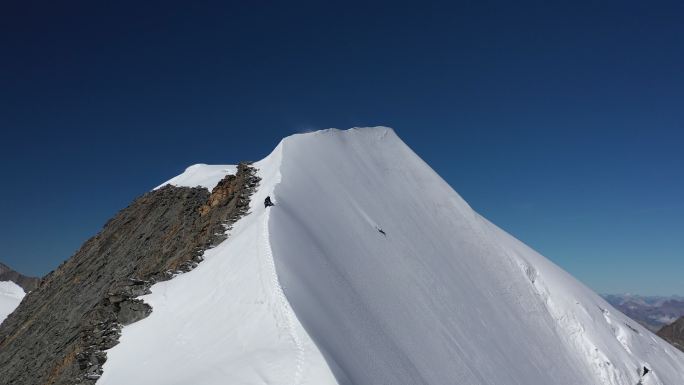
<point>267,202</point>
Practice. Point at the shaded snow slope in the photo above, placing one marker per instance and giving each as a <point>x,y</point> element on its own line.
<point>11,295</point>
<point>203,175</point>
<point>225,322</point>
<point>440,296</point>
<point>445,296</point>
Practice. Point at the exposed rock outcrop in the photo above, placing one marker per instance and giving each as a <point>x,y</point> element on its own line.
<point>26,283</point>
<point>674,333</point>
<point>61,331</point>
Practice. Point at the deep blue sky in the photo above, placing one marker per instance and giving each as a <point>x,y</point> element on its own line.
<point>562,122</point>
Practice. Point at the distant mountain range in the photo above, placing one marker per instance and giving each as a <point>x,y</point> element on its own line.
<point>662,315</point>
<point>653,312</point>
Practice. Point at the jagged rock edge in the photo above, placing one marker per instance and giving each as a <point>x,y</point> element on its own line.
<point>105,333</point>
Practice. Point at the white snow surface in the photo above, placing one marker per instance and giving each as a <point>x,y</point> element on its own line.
<point>11,295</point>
<point>202,175</point>
<point>225,322</point>
<point>310,292</point>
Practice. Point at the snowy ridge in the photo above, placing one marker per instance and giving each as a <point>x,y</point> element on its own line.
<point>11,295</point>
<point>202,175</point>
<point>225,322</point>
<point>284,309</point>
<point>370,269</point>
<point>443,294</point>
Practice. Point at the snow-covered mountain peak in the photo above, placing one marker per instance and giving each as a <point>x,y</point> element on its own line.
<point>371,269</point>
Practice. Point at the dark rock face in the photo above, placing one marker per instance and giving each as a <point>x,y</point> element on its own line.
<point>60,332</point>
<point>674,334</point>
<point>26,283</point>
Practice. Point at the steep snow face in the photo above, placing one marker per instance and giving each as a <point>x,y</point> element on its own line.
<point>440,295</point>
<point>225,322</point>
<point>370,269</point>
<point>202,175</point>
<point>10,297</point>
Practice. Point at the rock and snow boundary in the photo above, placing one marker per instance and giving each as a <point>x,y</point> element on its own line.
<point>227,321</point>
<point>312,292</point>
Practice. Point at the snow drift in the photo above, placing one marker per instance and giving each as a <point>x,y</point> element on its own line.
<point>11,295</point>
<point>371,269</point>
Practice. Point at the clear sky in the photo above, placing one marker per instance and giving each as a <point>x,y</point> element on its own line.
<point>562,122</point>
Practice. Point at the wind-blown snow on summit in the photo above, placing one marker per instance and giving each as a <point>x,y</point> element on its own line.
<point>371,269</point>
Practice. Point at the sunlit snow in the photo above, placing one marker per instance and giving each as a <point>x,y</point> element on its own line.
<point>439,296</point>
<point>10,297</point>
<point>202,175</point>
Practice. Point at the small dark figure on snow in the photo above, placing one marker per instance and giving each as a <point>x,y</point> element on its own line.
<point>267,202</point>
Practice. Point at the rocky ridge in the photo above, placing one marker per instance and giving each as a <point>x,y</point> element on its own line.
<point>26,283</point>
<point>61,331</point>
<point>674,333</point>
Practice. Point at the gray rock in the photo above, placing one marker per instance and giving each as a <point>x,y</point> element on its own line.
<point>674,333</point>
<point>26,283</point>
<point>60,332</point>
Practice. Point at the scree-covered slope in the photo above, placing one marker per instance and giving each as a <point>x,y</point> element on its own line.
<point>370,269</point>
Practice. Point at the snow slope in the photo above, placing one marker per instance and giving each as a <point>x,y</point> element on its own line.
<point>225,322</point>
<point>200,174</point>
<point>442,297</point>
<point>10,297</point>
